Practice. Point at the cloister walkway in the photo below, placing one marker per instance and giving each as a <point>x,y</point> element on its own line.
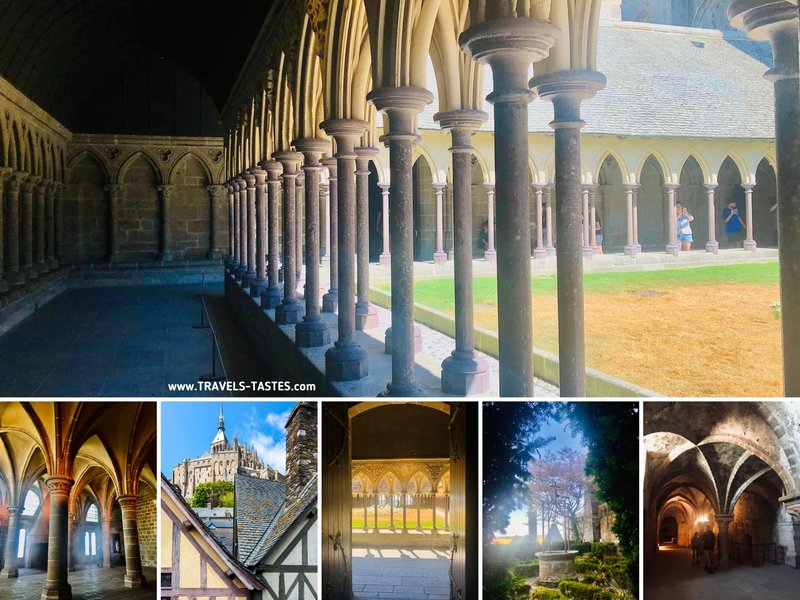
<point>671,575</point>
<point>87,584</point>
<point>401,574</point>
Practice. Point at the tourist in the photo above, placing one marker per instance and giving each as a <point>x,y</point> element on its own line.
<point>696,548</point>
<point>484,237</point>
<point>684,226</point>
<point>598,234</point>
<point>709,541</point>
<point>734,226</point>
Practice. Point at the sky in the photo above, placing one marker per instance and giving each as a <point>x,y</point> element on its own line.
<point>187,429</point>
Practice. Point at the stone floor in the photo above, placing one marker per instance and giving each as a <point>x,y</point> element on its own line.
<point>90,584</point>
<point>400,574</point>
<point>671,576</point>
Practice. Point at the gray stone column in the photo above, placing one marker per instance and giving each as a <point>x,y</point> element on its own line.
<point>299,196</point>
<point>250,229</point>
<point>27,227</point>
<point>636,217</point>
<point>106,525</point>
<point>464,372</point>
<point>130,532</point>
<point>71,543</point>
<point>10,570</point>
<point>114,194</point>
<point>4,173</point>
<point>57,585</point>
<point>40,201</point>
<point>588,224</point>
<point>632,248</point>
<point>510,46</point>
<point>346,360</point>
<point>540,251</point>
<point>242,227</point>
<point>417,502</point>
<point>375,513</point>
<point>272,295</point>
<point>712,245</point>
<point>366,313</point>
<point>330,301</point>
<point>50,217</point>
<point>14,274</point>
<point>312,331</point>
<point>405,512</point>
<point>566,90</point>
<point>166,193</point>
<point>490,254</point>
<point>258,284</point>
<point>290,310</point>
<point>217,196</point>
<point>749,243</point>
<point>401,106</point>
<point>439,256</point>
<point>673,245</point>
<point>324,222</point>
<point>60,256</point>
<point>433,501</point>
<point>548,212</point>
<point>386,255</point>
<point>723,522</point>
<point>593,219</point>
<point>233,226</point>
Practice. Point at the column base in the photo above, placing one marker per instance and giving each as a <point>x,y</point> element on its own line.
<point>540,253</point>
<point>712,247</point>
<point>490,256</point>
<point>29,272</point>
<point>289,312</point>
<point>417,341</point>
<point>257,287</point>
<point>673,248</point>
<point>588,251</point>
<point>465,374</point>
<point>271,297</point>
<point>214,255</point>
<point>165,257</point>
<point>633,250</point>
<point>9,573</point>
<point>15,279</point>
<point>366,316</point>
<point>311,334</point>
<point>240,274</point>
<point>134,581</point>
<point>248,278</point>
<point>330,301</point>
<point>385,260</point>
<point>394,390</point>
<point>749,245</point>
<point>439,258</point>
<point>61,593</point>
<point>551,250</point>
<point>346,363</point>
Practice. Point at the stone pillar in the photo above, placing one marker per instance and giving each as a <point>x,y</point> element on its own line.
<point>712,245</point>
<point>391,511</point>
<point>673,245</point>
<point>324,222</point>
<point>10,570</point>
<point>50,217</point>
<point>40,201</point>
<point>405,508</point>
<point>330,301</point>
<point>216,195</point>
<point>510,46</point>
<point>636,217</point>
<point>250,229</point>
<point>386,255</point>
<point>566,90</point>
<point>446,512</point>
<point>365,499</point>
<point>439,256</point>
<point>242,227</point>
<point>374,511</point>
<point>166,194</point>
<point>401,106</point>
<point>71,543</point>
<point>298,226</point>
<point>366,313</point>
<point>490,254</point>
<point>133,565</point>
<point>60,223</point>
<point>548,212</point>
<point>57,585</point>
<point>433,498</point>
<point>4,172</point>
<point>416,501</point>
<point>588,223</point>
<point>114,193</point>
<point>540,251</point>
<point>749,243</point>
<point>723,521</point>
<point>632,248</point>
<point>464,372</point>
<point>106,524</point>
<point>233,199</point>
<point>258,284</point>
<point>312,331</point>
<point>14,274</point>
<point>289,311</point>
<point>27,227</point>
<point>346,360</point>
<point>597,248</point>
<point>272,295</point>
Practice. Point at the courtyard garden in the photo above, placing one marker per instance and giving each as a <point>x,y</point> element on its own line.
<point>706,331</point>
<point>425,518</point>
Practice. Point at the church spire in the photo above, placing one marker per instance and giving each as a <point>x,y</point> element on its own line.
<point>221,418</point>
<point>220,441</point>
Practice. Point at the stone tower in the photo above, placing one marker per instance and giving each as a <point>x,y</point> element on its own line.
<point>220,442</point>
<point>301,449</point>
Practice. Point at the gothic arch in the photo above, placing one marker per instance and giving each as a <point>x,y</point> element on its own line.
<point>701,161</point>
<point>603,156</point>
<point>666,169</point>
<point>94,156</point>
<point>123,168</point>
<point>16,156</point>
<point>189,156</point>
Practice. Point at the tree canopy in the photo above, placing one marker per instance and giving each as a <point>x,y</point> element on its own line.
<point>217,493</point>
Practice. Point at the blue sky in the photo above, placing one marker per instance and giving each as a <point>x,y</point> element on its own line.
<point>187,429</point>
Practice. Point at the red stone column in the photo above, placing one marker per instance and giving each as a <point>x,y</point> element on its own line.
<point>749,243</point>
<point>233,230</point>
<point>632,248</point>
<point>57,585</point>
<point>330,301</point>
<point>26,250</point>
<point>439,256</point>
<point>290,310</point>
<point>712,245</point>
<point>133,564</point>
<point>673,245</point>
<point>386,255</point>
<point>723,522</point>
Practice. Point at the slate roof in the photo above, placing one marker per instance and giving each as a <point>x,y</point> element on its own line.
<point>257,503</point>
<point>667,82</point>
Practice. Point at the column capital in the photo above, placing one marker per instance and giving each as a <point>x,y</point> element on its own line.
<point>439,188</point>
<point>14,511</point>
<point>748,187</point>
<point>773,20</point>
<point>723,520</point>
<point>363,155</point>
<point>127,501</point>
<point>240,183</point>
<point>30,183</point>
<point>166,191</point>
<point>347,133</point>
<point>385,187</point>
<point>259,176</point>
<point>290,162</point>
<point>273,168</point>
<point>59,486</point>
<point>217,192</point>
<point>711,186</point>
<point>566,90</point>
<point>632,186</point>
<point>461,121</point>
<point>312,149</point>
<point>401,105</point>
<point>670,186</point>
<point>489,187</point>
<point>114,190</point>
<point>249,180</point>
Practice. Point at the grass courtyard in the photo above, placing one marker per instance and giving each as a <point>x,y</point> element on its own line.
<point>707,331</point>
<point>425,518</point>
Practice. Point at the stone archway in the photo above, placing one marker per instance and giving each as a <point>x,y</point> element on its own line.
<point>611,207</point>
<point>765,207</point>
<point>653,218</point>
<point>693,196</point>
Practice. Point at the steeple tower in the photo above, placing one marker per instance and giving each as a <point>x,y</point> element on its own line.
<point>220,441</point>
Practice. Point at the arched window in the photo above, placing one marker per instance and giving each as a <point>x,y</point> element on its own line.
<point>90,544</point>
<point>92,514</point>
<point>31,505</point>
<point>21,544</point>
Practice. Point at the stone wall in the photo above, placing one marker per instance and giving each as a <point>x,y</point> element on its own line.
<point>753,521</point>
<point>301,449</point>
<point>146,522</point>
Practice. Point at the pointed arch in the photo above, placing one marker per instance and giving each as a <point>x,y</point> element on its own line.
<point>602,157</point>
<point>701,161</point>
<point>16,158</point>
<point>94,156</point>
<point>189,155</point>
<point>4,139</point>
<point>126,164</point>
<point>663,164</point>
<point>32,164</point>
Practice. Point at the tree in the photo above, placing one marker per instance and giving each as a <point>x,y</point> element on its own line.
<point>217,493</point>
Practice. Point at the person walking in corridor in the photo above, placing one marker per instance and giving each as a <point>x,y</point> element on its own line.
<point>696,548</point>
<point>709,542</point>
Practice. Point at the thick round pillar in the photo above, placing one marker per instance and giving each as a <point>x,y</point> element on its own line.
<point>272,294</point>
<point>490,255</point>
<point>57,585</point>
<point>130,533</point>
<point>673,245</point>
<point>251,227</point>
<point>50,217</point>
<point>588,223</point>
<point>593,219</point>
<point>40,201</point>
<point>290,310</point>
<point>10,570</point>
<point>324,220</point>
<point>241,192</point>
<point>106,526</point>
<point>4,173</point>
<point>712,245</point>
<point>330,301</point>
<point>439,256</point>
<point>464,372</point>
<point>632,248</point>
<point>27,228</point>
<point>749,243</point>
<point>366,313</point>
<point>258,284</point>
<point>217,196</point>
<point>14,274</point>
<point>114,193</point>
<point>385,258</point>
<point>233,226</point>
<point>723,522</point>
<point>346,360</point>
<point>166,192</point>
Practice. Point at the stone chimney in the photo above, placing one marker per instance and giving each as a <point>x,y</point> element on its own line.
<point>301,449</point>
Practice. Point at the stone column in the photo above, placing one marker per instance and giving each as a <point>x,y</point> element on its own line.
<point>60,223</point>
<point>723,521</point>
<point>401,106</point>
<point>241,273</point>
<point>433,500</point>
<point>106,524</point>
<point>712,245</point>
<point>289,311</point>
<point>233,200</point>
<point>114,193</point>
<point>330,301</point>
<point>50,245</point>
<point>365,501</point>
<point>250,229</point>
<point>405,522</point>
<point>366,313</point>
<point>133,564</point>
<point>632,248</point>
<point>216,195</point>
<point>258,284</point>
<point>166,193</point>
<point>464,372</point>
<point>490,254</point>
<point>71,543</point>
<point>636,241</point>
<point>416,501</point>
<point>272,295</point>
<point>386,255</point>
<point>588,223</point>
<point>540,251</point>
<point>593,219</point>
<point>27,227</point>
<point>312,331</point>
<point>40,201</point>
<point>4,172</point>
<point>548,212</point>
<point>446,512</point>
<point>14,275</point>
<point>10,570</point>
<point>510,45</point>
<point>298,226</point>
<point>567,90</point>
<point>439,256</point>
<point>374,508</point>
<point>324,222</point>
<point>673,246</point>
<point>346,360</point>
<point>749,242</point>
<point>57,585</point>
<point>391,511</point>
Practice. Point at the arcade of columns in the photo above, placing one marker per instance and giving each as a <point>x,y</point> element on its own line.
<point>308,97</point>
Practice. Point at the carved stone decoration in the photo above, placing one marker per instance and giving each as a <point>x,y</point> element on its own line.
<point>216,154</point>
<point>165,154</point>
<point>436,470</point>
<point>59,485</point>
<point>111,152</point>
<point>318,11</point>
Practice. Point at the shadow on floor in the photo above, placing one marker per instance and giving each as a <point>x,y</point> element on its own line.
<point>88,584</point>
<point>402,574</point>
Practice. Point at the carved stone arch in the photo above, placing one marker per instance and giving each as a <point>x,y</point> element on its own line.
<point>189,155</point>
<point>130,159</point>
<point>32,163</point>
<point>701,161</point>
<point>344,77</point>
<point>16,158</point>
<point>93,154</point>
<point>601,159</point>
<point>284,121</point>
<point>46,167</point>
<point>4,142</point>
<point>660,159</point>
<point>745,172</point>
<point>308,85</point>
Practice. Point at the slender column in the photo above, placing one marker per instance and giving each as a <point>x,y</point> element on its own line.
<point>290,310</point>
<point>673,246</point>
<point>439,256</point>
<point>312,330</point>
<point>364,497</point>
<point>233,198</point>
<point>374,510</point>
<point>250,228</point>
<point>14,274</point>
<point>416,501</point>
<point>636,241</point>
<point>391,511</point>
<point>632,248</point>
<point>749,242</point>
<point>386,254</point>
<point>258,231</point>
<point>27,227</point>
<point>165,191</point>
<point>540,251</point>
<point>366,313</point>
<point>39,200</point>
<point>566,90</point>
<point>106,525</point>
<point>272,294</point>
<point>588,224</point>
<point>401,106</point>
<point>433,497</point>
<point>4,173</point>
<point>57,585</point>
<point>510,45</point>
<point>50,218</point>
<point>325,217</point>
<point>712,245</point>
<point>10,570</point>
<point>490,254</point>
<point>133,564</point>
<point>593,219</point>
<point>229,261</point>
<point>723,522</point>
<point>217,196</point>
<point>548,212</point>
<point>464,372</point>
<point>447,512</point>
<point>299,195</point>
<point>60,223</point>
<point>330,301</point>
<point>346,360</point>
<point>242,227</point>
<point>405,522</point>
<point>114,193</point>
